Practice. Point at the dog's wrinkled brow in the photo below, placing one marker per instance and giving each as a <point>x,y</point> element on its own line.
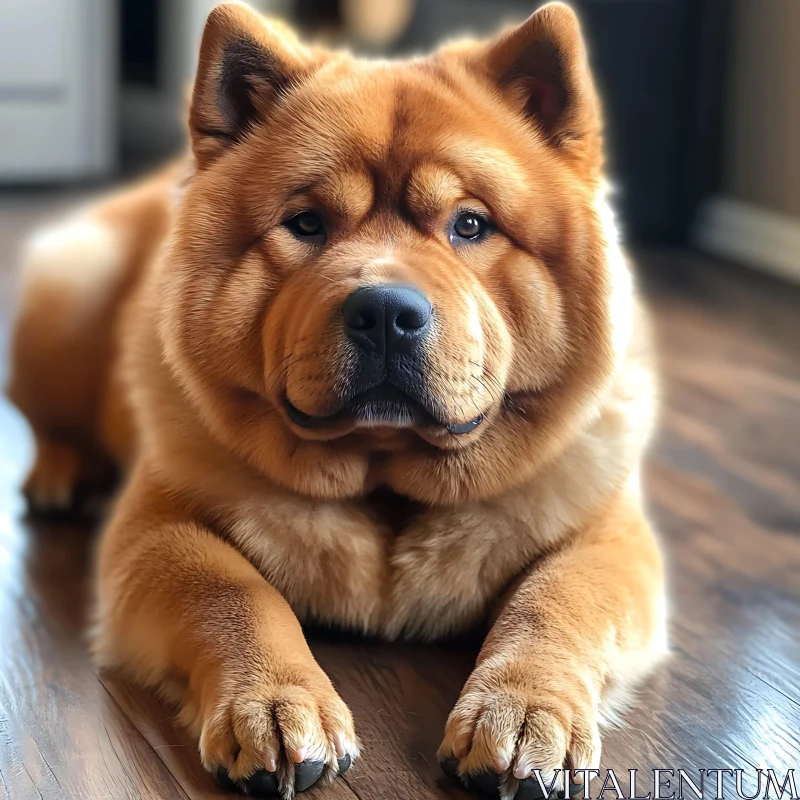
<point>431,189</point>
<point>305,188</point>
<point>347,194</point>
<point>482,167</point>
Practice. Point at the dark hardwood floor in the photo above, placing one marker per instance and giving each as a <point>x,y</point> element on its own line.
<point>722,478</point>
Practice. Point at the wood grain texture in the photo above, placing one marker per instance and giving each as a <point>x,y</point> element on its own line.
<point>723,480</point>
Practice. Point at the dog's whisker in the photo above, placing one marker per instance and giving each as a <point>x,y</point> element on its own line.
<point>492,393</point>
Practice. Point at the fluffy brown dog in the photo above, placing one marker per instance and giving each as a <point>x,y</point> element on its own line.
<point>377,278</point>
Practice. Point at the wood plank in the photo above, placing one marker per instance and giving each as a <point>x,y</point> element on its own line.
<point>400,695</point>
<point>62,734</point>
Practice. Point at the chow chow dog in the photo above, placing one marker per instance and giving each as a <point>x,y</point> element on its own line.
<point>371,357</point>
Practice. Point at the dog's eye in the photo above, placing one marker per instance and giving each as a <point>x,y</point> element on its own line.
<point>307,225</point>
<point>468,226</point>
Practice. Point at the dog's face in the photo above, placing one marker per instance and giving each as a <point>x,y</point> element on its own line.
<point>401,265</point>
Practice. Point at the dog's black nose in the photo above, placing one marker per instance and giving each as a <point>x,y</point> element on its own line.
<point>387,319</point>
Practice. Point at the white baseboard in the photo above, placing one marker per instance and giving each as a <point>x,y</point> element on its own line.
<point>750,235</point>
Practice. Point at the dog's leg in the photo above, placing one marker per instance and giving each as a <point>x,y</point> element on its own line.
<point>60,350</point>
<point>184,611</point>
<point>75,280</point>
<point>584,622</point>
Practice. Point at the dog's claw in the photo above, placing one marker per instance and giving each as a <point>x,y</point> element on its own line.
<point>344,763</point>
<point>306,774</point>
<point>265,784</point>
<point>485,782</point>
<point>488,783</point>
<point>529,789</point>
<point>449,766</point>
<point>225,780</point>
<point>261,784</point>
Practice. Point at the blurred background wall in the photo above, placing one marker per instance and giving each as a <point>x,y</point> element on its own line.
<point>762,151</point>
<point>755,217</point>
<point>701,103</point>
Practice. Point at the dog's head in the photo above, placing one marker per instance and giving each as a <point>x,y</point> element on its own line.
<point>394,272</point>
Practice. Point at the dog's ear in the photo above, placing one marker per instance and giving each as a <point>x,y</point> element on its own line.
<point>542,66</point>
<point>246,63</point>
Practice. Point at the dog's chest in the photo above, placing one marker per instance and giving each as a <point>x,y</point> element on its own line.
<point>386,566</point>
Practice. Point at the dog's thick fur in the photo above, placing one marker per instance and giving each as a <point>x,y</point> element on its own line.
<point>177,361</point>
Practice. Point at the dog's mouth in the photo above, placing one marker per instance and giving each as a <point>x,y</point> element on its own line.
<point>382,406</point>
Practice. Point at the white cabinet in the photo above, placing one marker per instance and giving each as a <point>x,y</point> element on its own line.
<point>58,74</point>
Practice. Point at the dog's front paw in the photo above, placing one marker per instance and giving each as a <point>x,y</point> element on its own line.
<point>511,722</point>
<point>276,738</point>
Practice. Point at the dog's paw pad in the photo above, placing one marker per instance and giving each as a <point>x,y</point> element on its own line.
<point>266,784</point>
